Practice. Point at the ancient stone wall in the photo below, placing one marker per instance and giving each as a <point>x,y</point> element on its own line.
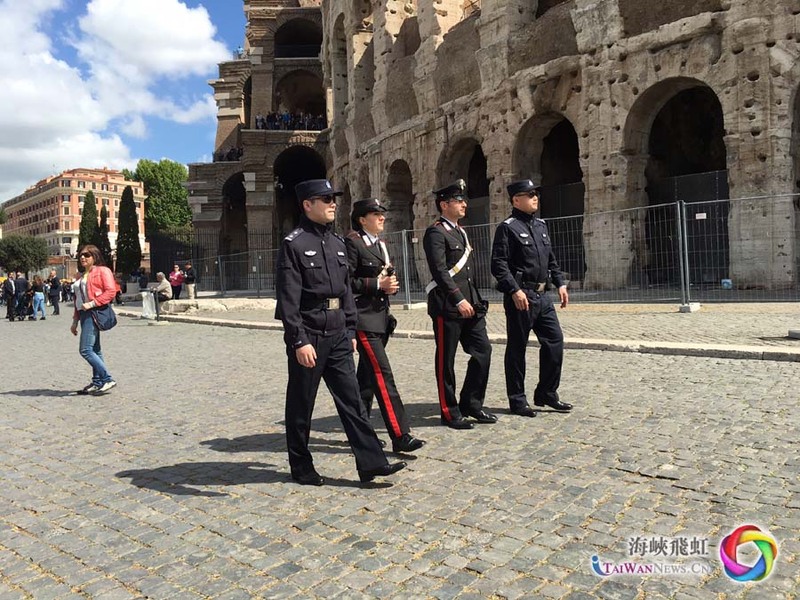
<point>502,79</point>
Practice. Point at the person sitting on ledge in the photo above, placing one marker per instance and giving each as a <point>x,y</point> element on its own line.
<point>163,289</point>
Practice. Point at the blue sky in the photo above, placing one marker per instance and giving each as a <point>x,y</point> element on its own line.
<point>93,83</point>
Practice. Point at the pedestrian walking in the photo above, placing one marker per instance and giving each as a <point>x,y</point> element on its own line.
<point>10,296</point>
<point>458,312</point>
<point>37,288</point>
<point>55,291</point>
<point>522,260</point>
<point>94,289</point>
<point>373,280</point>
<point>315,303</point>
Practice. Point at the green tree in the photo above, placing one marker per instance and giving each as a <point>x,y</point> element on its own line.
<point>167,202</point>
<point>89,230</point>
<point>129,252</point>
<point>3,216</point>
<point>23,253</point>
<point>105,244</point>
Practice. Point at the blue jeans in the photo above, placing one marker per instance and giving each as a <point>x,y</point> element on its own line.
<point>89,347</point>
<point>38,304</point>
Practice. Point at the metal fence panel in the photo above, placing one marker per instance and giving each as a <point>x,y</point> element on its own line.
<point>720,250</point>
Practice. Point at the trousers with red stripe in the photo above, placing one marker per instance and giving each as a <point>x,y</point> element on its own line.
<point>375,379</point>
<point>471,334</point>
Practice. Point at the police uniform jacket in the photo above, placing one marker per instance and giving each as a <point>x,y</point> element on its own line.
<point>312,271</point>
<point>443,249</point>
<point>366,264</point>
<point>522,252</point>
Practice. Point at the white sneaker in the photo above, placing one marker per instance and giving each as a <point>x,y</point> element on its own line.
<point>89,389</point>
<point>105,388</point>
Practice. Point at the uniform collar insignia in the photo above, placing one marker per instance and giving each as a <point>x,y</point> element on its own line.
<point>310,252</point>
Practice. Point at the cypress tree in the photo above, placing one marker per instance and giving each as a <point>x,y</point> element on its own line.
<point>105,244</point>
<point>129,252</point>
<point>89,229</point>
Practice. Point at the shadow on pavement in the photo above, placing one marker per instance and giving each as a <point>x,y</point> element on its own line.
<point>53,393</point>
<point>271,442</point>
<point>182,479</point>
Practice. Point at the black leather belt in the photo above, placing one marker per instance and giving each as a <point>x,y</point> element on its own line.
<point>323,304</point>
<point>536,286</point>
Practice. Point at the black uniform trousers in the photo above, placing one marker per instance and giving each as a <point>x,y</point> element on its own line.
<point>54,302</point>
<point>11,307</point>
<point>336,366</point>
<point>542,319</point>
<point>471,334</point>
<point>375,378</point>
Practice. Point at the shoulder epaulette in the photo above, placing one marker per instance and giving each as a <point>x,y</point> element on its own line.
<point>294,234</point>
<point>337,235</point>
<point>540,220</point>
<point>509,220</point>
<point>353,235</point>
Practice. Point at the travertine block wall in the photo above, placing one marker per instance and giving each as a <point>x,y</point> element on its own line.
<point>502,78</point>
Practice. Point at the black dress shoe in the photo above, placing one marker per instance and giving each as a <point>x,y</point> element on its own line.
<point>387,469</point>
<point>310,478</point>
<point>525,411</point>
<point>407,443</point>
<point>460,423</point>
<point>482,416</point>
<point>554,404</point>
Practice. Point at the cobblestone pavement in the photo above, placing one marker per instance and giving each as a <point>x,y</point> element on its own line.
<point>176,484</point>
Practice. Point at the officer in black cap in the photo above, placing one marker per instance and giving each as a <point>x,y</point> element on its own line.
<point>458,312</point>
<point>316,305</point>
<point>522,259</point>
<point>373,280</point>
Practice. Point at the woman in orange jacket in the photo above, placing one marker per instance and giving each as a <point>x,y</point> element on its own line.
<point>95,288</point>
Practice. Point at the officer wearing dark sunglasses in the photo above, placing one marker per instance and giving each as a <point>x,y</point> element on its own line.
<point>522,261</point>
<point>315,303</point>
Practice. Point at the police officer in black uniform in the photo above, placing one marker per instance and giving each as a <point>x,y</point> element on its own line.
<point>522,259</point>
<point>316,305</point>
<point>373,281</point>
<point>458,312</point>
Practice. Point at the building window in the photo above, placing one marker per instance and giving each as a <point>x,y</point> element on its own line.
<point>116,202</point>
<point>81,199</point>
<point>80,210</point>
<point>105,201</point>
<point>81,184</point>
<point>94,185</point>
<point>104,187</point>
<point>66,210</point>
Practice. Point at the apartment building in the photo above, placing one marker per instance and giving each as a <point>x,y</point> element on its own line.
<point>52,208</point>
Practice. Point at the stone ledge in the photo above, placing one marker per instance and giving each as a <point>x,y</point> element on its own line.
<point>665,348</point>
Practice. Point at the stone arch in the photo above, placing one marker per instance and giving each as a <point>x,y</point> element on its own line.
<point>247,102</point>
<point>399,197</point>
<point>547,150</point>
<point>293,165</point>
<point>674,135</point>
<point>466,161</point>
<point>234,215</point>
<point>339,81</point>
<point>542,6</point>
<point>299,91</point>
<point>298,38</point>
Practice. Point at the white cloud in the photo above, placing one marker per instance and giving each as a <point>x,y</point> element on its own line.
<point>54,116</point>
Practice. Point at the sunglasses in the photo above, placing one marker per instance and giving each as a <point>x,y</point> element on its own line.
<point>326,199</point>
<point>86,254</point>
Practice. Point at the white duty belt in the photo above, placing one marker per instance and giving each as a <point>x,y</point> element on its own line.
<point>368,242</point>
<point>461,261</point>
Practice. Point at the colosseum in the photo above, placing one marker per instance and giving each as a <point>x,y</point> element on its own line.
<point>613,105</point>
